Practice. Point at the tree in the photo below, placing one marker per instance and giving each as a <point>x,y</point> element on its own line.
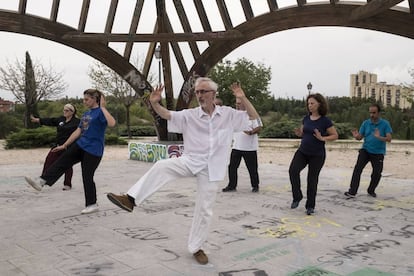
<point>30,83</point>
<point>408,92</point>
<point>254,78</point>
<point>105,79</point>
<point>30,94</point>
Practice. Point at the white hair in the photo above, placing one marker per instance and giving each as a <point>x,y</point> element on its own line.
<point>211,83</point>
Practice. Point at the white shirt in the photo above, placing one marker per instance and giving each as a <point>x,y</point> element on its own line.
<point>207,140</point>
<point>246,142</point>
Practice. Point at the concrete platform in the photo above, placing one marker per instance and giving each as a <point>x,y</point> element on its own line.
<point>43,233</point>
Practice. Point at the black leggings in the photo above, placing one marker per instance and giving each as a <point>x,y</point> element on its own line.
<point>299,162</point>
<point>89,163</point>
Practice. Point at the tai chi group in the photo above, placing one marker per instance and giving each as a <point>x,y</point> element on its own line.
<point>210,131</point>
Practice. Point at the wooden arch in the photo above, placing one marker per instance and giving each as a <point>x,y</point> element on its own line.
<point>379,15</point>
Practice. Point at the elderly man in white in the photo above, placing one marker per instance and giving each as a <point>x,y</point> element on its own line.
<point>207,134</point>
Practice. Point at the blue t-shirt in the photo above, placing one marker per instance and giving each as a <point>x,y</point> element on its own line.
<point>371,143</point>
<point>93,125</point>
<point>310,145</point>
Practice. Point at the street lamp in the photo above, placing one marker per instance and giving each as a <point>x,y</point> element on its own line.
<point>157,54</point>
<point>309,86</point>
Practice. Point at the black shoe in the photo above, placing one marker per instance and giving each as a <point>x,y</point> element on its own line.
<point>373,194</point>
<point>294,204</point>
<point>255,189</point>
<point>310,211</point>
<point>349,195</point>
<point>228,189</point>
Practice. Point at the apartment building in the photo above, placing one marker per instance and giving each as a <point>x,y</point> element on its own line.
<point>366,85</point>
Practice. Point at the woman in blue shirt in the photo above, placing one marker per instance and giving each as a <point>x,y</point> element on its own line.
<point>316,129</point>
<point>85,145</point>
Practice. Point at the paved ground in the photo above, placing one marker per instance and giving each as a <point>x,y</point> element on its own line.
<point>252,234</point>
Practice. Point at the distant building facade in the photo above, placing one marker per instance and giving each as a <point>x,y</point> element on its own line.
<point>6,106</point>
<point>365,85</point>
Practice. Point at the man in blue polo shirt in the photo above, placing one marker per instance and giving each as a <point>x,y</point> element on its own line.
<point>376,132</point>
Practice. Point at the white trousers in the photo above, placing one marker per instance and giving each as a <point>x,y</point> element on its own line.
<point>167,170</point>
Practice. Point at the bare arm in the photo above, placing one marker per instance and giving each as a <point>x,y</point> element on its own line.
<point>109,118</point>
<point>332,134</point>
<point>256,130</point>
<point>72,138</point>
<point>387,137</point>
<point>155,99</point>
<point>34,119</point>
<point>239,93</point>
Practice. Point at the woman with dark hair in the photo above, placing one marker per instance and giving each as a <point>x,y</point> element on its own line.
<point>316,129</point>
<point>65,125</point>
<point>85,145</point>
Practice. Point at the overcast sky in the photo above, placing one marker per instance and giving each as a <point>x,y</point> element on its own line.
<point>324,56</point>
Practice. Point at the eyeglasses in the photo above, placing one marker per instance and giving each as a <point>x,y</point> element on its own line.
<point>66,110</point>
<point>202,91</point>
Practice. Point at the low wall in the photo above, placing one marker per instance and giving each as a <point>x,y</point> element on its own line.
<point>154,151</point>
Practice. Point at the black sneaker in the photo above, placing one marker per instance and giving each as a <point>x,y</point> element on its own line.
<point>228,189</point>
<point>349,195</point>
<point>310,211</point>
<point>255,189</point>
<point>294,204</point>
<point>373,194</point>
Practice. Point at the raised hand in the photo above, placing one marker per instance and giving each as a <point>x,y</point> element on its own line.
<point>155,96</point>
<point>102,101</point>
<point>237,90</point>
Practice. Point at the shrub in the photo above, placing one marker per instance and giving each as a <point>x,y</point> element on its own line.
<point>46,137</point>
<point>31,138</point>
<point>282,129</point>
<point>138,131</point>
<point>111,139</point>
<point>9,123</point>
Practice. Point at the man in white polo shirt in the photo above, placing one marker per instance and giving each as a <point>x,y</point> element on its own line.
<point>245,145</point>
<point>207,135</point>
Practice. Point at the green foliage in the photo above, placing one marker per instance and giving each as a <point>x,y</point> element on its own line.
<point>254,80</point>
<point>281,129</point>
<point>31,138</point>
<point>139,131</point>
<point>111,139</point>
<point>344,130</point>
<point>46,137</point>
<point>9,123</point>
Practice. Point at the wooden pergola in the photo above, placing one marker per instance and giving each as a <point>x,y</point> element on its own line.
<point>380,15</point>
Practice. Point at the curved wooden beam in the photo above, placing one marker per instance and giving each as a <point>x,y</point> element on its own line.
<point>398,22</point>
<point>50,30</point>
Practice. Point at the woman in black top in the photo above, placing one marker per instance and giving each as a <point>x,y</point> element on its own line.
<point>65,125</point>
<point>316,129</point>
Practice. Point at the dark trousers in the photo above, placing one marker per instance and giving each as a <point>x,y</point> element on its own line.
<point>89,163</point>
<point>50,159</point>
<point>299,162</point>
<point>250,159</point>
<point>377,163</point>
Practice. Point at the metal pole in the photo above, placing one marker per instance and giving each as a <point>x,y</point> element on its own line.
<point>159,71</point>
